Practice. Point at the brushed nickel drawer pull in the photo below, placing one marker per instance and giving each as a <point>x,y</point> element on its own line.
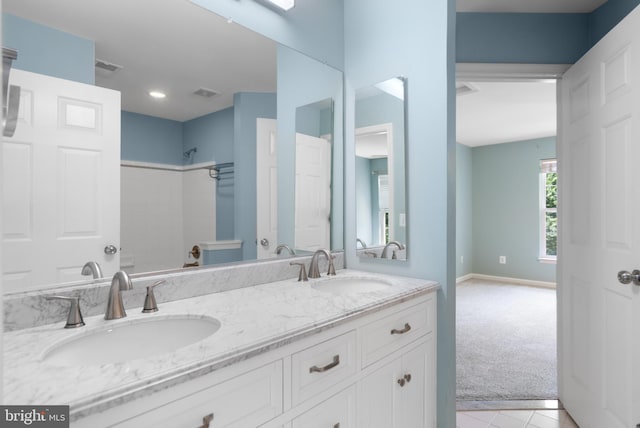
<point>337,425</point>
<point>406,329</point>
<point>407,377</point>
<point>206,421</point>
<point>401,382</point>
<point>335,362</point>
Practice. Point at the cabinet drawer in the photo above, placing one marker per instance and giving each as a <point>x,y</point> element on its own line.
<point>246,400</point>
<point>321,366</point>
<point>338,411</point>
<point>394,331</point>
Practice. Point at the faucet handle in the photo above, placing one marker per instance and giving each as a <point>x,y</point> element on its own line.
<point>302,276</point>
<point>332,269</point>
<point>150,304</point>
<point>74,319</point>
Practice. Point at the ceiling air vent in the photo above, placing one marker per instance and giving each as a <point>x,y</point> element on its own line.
<point>105,68</point>
<point>207,93</point>
<point>465,88</point>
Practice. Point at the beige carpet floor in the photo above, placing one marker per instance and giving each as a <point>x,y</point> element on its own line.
<point>506,342</point>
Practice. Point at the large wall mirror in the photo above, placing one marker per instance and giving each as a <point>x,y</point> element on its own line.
<point>171,199</point>
<point>380,170</point>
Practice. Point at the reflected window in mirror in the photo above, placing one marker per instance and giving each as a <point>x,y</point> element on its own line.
<point>380,117</point>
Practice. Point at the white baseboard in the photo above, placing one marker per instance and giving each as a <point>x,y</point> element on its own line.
<point>529,282</point>
<point>464,278</point>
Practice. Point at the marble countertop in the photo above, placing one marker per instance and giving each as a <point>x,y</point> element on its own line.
<point>253,320</point>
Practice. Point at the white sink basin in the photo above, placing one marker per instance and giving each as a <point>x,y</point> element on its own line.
<point>127,341</point>
<point>350,285</point>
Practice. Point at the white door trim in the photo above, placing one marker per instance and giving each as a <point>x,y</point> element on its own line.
<point>481,72</point>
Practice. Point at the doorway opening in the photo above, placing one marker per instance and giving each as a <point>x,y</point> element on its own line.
<point>506,300</point>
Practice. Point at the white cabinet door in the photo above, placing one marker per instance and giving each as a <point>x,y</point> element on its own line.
<point>60,182</point>
<point>379,397</point>
<point>599,318</point>
<point>397,394</point>
<point>338,411</point>
<point>417,392</point>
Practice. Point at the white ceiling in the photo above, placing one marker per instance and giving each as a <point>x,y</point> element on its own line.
<point>502,112</point>
<point>178,47</point>
<point>171,45</point>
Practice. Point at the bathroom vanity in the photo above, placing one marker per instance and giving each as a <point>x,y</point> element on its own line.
<point>353,350</point>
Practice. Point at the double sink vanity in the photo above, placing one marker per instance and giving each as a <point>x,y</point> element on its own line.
<point>354,349</point>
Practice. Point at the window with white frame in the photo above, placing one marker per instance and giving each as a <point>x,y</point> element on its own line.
<point>548,210</point>
<point>383,208</point>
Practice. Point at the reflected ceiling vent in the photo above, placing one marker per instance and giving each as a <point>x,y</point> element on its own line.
<point>463,88</point>
<point>207,93</point>
<point>105,68</point>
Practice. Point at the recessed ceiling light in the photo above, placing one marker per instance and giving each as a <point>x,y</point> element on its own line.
<point>157,94</point>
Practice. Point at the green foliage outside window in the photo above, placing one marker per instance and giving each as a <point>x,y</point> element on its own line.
<point>552,216</point>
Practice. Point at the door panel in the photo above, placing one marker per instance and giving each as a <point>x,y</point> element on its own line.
<point>599,142</point>
<point>61,182</point>
<point>266,188</point>
<point>312,193</point>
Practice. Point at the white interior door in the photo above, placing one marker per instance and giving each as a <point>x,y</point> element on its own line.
<point>266,188</point>
<point>61,182</point>
<point>313,193</point>
<point>599,145</point>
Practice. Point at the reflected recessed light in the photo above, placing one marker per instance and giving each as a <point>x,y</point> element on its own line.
<point>157,94</point>
<point>282,4</point>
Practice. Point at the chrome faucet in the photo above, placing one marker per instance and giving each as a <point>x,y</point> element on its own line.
<point>386,248</point>
<point>92,268</point>
<point>362,243</point>
<point>281,247</point>
<point>115,308</point>
<point>314,272</point>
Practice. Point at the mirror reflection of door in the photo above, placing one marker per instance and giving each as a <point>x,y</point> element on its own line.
<point>266,188</point>
<point>313,193</point>
<point>60,183</point>
<point>374,182</point>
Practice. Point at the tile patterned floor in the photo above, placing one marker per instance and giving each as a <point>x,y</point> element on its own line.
<point>514,419</point>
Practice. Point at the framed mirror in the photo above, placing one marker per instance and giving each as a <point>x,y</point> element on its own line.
<point>178,177</point>
<point>380,121</point>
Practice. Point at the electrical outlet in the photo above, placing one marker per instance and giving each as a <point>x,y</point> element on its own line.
<point>503,260</point>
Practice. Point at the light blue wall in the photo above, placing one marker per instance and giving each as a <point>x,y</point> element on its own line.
<point>607,16</point>
<point>150,139</point>
<point>212,135</point>
<point>363,203</point>
<point>464,210</point>
<point>315,120</point>
<point>415,39</point>
<point>302,81</point>
<point>49,51</point>
<point>535,38</point>
<point>314,27</point>
<point>367,200</point>
<point>506,209</point>
<point>521,38</point>
<point>247,108</point>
